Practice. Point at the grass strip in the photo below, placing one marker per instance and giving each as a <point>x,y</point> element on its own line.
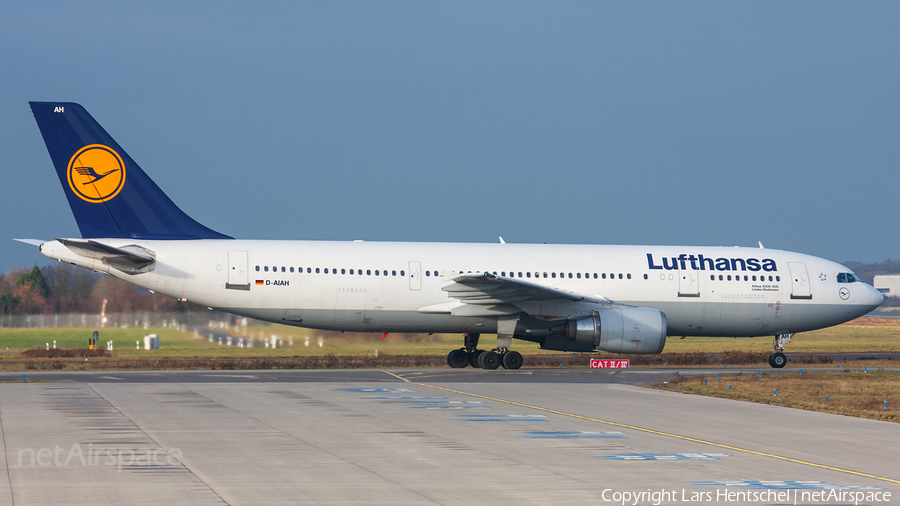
<point>853,393</point>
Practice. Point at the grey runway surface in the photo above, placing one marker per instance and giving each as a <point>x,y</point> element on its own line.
<point>423,437</point>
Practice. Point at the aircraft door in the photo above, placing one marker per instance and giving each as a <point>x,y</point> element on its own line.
<point>799,281</point>
<point>415,275</point>
<point>238,271</point>
<point>688,283</point>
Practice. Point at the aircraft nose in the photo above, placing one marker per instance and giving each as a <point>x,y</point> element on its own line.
<point>876,297</point>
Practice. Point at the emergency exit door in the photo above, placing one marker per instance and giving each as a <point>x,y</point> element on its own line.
<point>415,275</point>
<point>688,283</point>
<point>238,271</point>
<point>799,281</point>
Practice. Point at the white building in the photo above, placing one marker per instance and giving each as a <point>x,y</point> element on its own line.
<point>888,284</point>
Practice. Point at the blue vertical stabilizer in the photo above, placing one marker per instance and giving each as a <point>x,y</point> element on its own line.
<point>110,196</point>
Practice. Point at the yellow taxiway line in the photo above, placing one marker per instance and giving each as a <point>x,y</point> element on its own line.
<point>651,431</point>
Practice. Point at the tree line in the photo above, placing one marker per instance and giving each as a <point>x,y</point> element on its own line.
<point>65,288</point>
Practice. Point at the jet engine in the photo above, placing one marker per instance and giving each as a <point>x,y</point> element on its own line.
<point>619,330</point>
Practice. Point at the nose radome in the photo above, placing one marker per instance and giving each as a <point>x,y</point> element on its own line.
<point>876,297</point>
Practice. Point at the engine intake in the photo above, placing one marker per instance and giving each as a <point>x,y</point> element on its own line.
<point>619,330</point>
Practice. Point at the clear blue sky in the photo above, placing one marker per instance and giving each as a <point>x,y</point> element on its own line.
<point>700,123</point>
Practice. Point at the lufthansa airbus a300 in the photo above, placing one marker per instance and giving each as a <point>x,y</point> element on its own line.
<point>579,298</point>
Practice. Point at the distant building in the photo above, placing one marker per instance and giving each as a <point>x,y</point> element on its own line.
<point>888,284</point>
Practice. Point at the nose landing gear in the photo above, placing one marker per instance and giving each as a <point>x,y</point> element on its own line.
<point>778,359</point>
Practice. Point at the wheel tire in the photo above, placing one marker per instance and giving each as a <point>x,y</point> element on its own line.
<point>457,359</point>
<point>489,360</point>
<point>473,358</point>
<point>778,360</point>
<point>512,360</point>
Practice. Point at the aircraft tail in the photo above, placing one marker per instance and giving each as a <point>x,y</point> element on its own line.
<point>110,196</point>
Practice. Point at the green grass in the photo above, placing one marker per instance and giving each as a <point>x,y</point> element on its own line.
<point>840,339</point>
<point>849,393</point>
<point>177,344</point>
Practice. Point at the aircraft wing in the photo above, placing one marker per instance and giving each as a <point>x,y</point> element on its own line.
<point>490,295</point>
<point>489,289</point>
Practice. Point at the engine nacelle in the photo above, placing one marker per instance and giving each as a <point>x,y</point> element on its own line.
<point>619,330</point>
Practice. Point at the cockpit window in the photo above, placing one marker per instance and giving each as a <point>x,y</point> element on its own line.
<point>846,277</point>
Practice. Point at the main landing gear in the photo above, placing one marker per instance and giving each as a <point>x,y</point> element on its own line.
<point>778,359</point>
<point>483,359</point>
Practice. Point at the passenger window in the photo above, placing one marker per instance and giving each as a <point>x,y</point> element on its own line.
<point>712,277</point>
<point>317,270</point>
<point>368,272</point>
<point>545,274</point>
<point>343,271</point>
<point>777,278</point>
<point>595,275</point>
<point>257,268</point>
<point>629,276</point>
<point>620,275</point>
<point>553,275</point>
<point>645,276</point>
<point>435,273</point>
<point>603,275</point>
<point>746,279</point>
<point>402,273</point>
<point>729,277</point>
<point>282,269</point>
<point>266,268</point>
<point>292,269</point>
<point>720,277</point>
<point>428,273</point>
<point>527,274</point>
<point>309,270</point>
<point>376,272</point>
<point>754,278</point>
<point>393,273</point>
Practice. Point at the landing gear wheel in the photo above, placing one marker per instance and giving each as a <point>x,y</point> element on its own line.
<point>512,360</point>
<point>777,360</point>
<point>489,360</point>
<point>473,358</point>
<point>458,359</point>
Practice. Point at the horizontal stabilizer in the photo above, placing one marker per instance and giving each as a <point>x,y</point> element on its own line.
<point>130,259</point>
<point>33,242</point>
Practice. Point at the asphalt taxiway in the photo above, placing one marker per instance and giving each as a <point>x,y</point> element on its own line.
<point>421,437</point>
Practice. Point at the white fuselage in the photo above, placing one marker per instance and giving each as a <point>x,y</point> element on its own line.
<point>397,287</point>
